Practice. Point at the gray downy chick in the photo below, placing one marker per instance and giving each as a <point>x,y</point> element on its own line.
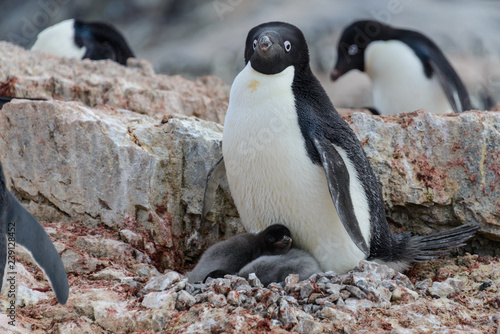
<point>275,268</point>
<point>229,256</point>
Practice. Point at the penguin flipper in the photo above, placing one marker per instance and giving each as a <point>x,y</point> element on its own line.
<point>31,235</point>
<point>435,62</point>
<point>3,255</point>
<point>337,176</point>
<point>452,88</point>
<point>214,175</point>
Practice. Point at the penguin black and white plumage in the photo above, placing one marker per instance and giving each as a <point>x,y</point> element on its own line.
<point>408,71</point>
<point>290,157</point>
<point>19,227</point>
<point>275,268</point>
<point>78,39</point>
<point>229,256</point>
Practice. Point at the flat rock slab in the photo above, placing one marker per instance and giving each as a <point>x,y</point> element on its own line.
<point>68,162</point>
<point>135,87</point>
<point>436,171</point>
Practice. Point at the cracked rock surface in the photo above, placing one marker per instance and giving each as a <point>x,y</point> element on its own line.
<point>117,181</point>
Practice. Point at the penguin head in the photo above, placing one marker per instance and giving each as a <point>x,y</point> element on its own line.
<point>276,239</point>
<point>353,43</point>
<point>272,47</point>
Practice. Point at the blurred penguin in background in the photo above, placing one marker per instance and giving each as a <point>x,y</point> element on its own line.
<point>79,39</point>
<point>408,71</point>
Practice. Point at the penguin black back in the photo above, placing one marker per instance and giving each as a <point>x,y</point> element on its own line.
<point>319,119</point>
<point>102,41</point>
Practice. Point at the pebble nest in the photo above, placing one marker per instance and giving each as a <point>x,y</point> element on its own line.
<point>329,302</point>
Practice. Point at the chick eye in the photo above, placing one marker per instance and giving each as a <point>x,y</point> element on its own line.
<point>254,44</point>
<point>288,46</point>
<point>353,49</point>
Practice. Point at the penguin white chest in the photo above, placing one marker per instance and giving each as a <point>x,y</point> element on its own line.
<point>399,83</point>
<point>271,177</point>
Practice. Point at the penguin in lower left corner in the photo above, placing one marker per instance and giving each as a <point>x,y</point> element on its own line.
<point>75,38</point>
<point>19,227</point>
<point>408,71</point>
<point>290,157</point>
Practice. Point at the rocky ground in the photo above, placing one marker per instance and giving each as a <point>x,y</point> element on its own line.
<point>114,164</point>
<point>115,287</point>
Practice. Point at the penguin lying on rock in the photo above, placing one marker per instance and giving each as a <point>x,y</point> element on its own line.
<point>408,71</point>
<point>229,256</point>
<point>79,39</point>
<point>19,227</point>
<point>290,157</point>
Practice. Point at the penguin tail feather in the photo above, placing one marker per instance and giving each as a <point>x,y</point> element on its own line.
<point>427,247</point>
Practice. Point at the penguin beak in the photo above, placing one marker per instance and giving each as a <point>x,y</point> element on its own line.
<point>336,73</point>
<point>284,242</point>
<point>265,43</point>
<point>266,46</point>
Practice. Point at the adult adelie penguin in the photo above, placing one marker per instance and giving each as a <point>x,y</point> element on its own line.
<point>79,39</point>
<point>290,158</point>
<point>407,70</point>
<point>19,227</point>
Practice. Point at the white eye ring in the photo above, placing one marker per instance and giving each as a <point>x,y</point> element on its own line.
<point>353,49</point>
<point>254,44</point>
<point>288,46</point>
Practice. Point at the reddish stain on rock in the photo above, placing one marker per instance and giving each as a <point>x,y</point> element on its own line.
<point>8,88</point>
<point>431,176</point>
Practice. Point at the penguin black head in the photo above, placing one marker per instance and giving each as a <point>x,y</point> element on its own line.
<point>272,47</point>
<point>353,43</point>
<point>276,239</point>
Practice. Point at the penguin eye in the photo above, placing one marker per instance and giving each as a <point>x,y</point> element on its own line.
<point>271,240</point>
<point>288,46</point>
<point>254,44</point>
<point>353,49</point>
